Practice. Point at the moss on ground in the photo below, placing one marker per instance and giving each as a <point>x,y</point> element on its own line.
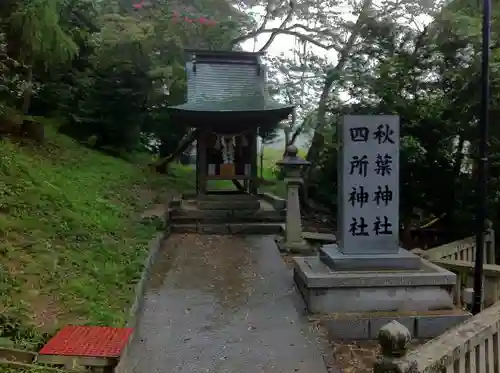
<point>72,243</point>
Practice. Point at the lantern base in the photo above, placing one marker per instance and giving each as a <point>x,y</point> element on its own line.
<point>299,247</point>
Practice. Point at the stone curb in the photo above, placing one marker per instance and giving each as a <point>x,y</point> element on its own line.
<point>155,246</point>
<point>154,249</point>
<point>278,203</point>
<point>420,327</point>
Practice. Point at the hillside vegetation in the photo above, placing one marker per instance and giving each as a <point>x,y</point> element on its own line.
<point>72,239</point>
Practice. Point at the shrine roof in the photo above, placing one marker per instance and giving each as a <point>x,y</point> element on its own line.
<point>228,83</point>
<point>236,104</point>
<point>208,55</point>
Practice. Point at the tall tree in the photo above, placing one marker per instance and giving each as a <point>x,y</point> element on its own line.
<point>35,36</point>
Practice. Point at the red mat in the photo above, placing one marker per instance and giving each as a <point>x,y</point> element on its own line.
<point>94,341</point>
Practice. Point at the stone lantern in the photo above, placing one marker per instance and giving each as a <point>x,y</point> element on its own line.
<point>293,165</point>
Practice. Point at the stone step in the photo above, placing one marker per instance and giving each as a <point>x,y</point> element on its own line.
<point>225,197</point>
<point>229,204</point>
<point>188,220</point>
<point>365,326</point>
<point>232,228</point>
<point>225,216</point>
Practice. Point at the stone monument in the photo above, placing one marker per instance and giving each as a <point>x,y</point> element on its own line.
<point>366,270</point>
<point>368,202</point>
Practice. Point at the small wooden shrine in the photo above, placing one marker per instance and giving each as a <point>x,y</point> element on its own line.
<point>228,106</point>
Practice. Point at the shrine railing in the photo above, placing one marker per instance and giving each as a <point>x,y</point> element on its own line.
<point>457,250</point>
<point>458,257</point>
<point>471,347</point>
<point>463,250</point>
<point>465,280</point>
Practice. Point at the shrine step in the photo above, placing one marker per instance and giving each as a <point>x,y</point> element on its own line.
<point>217,196</point>
<point>225,216</point>
<point>232,228</point>
<point>229,203</point>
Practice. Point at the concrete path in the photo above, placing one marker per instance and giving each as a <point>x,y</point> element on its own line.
<point>222,304</point>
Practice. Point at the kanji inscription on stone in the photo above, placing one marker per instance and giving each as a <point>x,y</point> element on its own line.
<point>369,184</point>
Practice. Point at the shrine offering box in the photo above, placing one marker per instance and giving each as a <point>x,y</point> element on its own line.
<point>227,170</point>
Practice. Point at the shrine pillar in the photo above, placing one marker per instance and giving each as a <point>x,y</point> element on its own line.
<point>202,166</point>
<point>254,182</point>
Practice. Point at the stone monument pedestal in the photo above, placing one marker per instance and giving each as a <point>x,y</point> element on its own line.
<point>337,260</point>
<point>332,290</point>
<point>354,304</point>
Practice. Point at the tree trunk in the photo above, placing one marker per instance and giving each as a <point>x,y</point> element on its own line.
<point>450,209</point>
<point>162,165</point>
<point>318,140</point>
<point>30,128</point>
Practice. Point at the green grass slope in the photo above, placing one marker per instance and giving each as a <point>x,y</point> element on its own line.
<point>72,241</point>
<point>270,170</point>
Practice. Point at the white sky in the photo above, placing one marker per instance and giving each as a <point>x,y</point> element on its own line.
<point>282,44</point>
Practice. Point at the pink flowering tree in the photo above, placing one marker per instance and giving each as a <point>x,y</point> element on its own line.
<point>176,16</point>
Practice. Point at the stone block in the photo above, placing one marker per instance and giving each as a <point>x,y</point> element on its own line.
<point>257,216</point>
<point>201,214</point>
<point>347,328</point>
<point>224,196</point>
<point>254,228</point>
<point>229,204</point>
<point>319,237</point>
<point>318,275</point>
<point>213,228</point>
<point>334,258</point>
<point>431,326</point>
<point>327,291</point>
<point>183,220</point>
<point>210,216</point>
<point>377,322</point>
<point>184,228</point>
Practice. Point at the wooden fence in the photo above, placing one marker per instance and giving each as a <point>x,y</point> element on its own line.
<point>459,256</point>
<point>471,347</point>
<point>464,250</point>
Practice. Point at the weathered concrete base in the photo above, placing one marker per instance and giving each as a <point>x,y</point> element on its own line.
<point>328,291</point>
<point>337,260</point>
<point>294,247</point>
<point>366,326</point>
